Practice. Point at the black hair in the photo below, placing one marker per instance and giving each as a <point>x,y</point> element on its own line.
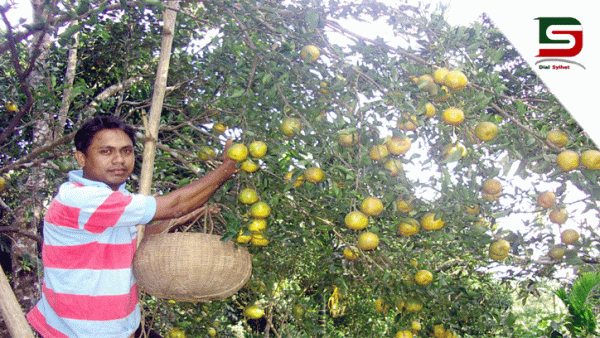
<point>84,136</point>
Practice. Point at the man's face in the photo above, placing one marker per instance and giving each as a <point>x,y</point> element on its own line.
<point>110,158</point>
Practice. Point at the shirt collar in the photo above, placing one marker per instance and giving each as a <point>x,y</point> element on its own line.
<point>77,176</point>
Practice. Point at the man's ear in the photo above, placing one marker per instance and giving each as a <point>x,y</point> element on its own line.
<point>80,157</point>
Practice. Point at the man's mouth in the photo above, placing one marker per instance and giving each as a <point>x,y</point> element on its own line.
<point>118,171</point>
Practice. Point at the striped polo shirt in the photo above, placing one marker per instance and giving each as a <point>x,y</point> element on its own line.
<point>88,288</point>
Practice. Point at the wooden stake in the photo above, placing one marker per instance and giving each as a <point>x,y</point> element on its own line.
<point>11,311</point>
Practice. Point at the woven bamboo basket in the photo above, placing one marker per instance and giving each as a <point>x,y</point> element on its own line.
<point>191,267</point>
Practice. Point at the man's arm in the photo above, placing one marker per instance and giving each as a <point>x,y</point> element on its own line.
<point>188,198</point>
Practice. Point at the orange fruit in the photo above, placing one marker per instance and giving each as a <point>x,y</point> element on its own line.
<point>394,165</point>
<point>439,75</point>
<point>347,140</point>
<point>486,130</point>
<point>397,145</point>
<point>490,197</point>
<point>413,305</point>
<point>176,332</point>
<point>429,109</point>
<point>404,334</point>
<point>381,305</point>
<point>368,241</point>
<point>249,166</point>
<point>472,209</point>
<point>206,153</point>
<point>237,152</point>
<point>310,53</point>
<point>371,206</point>
<point>569,236</point>
<point>254,312</point>
<point>248,196</point>
<point>220,128</point>
<point>499,249</point>
<point>404,205</point>
<point>423,277</point>
<point>547,199</point>
<point>557,137</point>
<point>456,80</point>
<point>356,220</point>
<point>259,240</point>
<point>568,160</point>
<point>453,116</point>
<point>2,184</point>
<point>299,179</point>
<point>457,151</point>
<point>415,326</point>
<point>557,252</point>
<point>409,124</point>
<point>426,83</point>
<point>409,227</point>
<point>492,186</point>
<point>291,126</point>
<point>558,216</point>
<point>257,225</point>
<point>429,222</point>
<point>242,238</point>
<point>590,159</point>
<point>378,152</point>
<point>11,107</point>
<point>351,253</point>
<point>260,210</point>
<point>257,149</point>
<point>314,174</point>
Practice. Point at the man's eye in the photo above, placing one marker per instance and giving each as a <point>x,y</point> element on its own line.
<point>105,151</point>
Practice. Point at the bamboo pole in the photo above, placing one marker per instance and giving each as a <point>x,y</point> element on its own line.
<point>12,312</point>
<point>169,19</point>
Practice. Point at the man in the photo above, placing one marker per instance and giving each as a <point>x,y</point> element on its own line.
<point>88,288</point>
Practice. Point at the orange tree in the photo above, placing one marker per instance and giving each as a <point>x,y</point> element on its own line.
<point>397,119</point>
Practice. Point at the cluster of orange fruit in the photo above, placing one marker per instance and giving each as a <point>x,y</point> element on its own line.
<point>569,160</point>
<point>557,215</point>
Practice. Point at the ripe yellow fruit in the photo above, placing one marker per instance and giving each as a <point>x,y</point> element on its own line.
<point>442,95</point>
<point>348,140</point>
<point>426,83</point>
<point>260,210</point>
<point>258,239</point>
<point>423,277</point>
<point>248,196</point>
<point>429,109</point>
<point>413,305</point>
<point>220,128</point>
<point>206,153</point>
<point>310,53</point>
<point>257,225</point>
<point>453,116</point>
<point>404,205</point>
<point>351,253</point>
<point>429,222</point>
<point>2,184</point>
<point>314,174</point>
<point>249,166</point>
<point>176,332</point>
<point>291,126</point>
<point>547,199</point>
<point>211,332</point>
<point>394,165</point>
<point>456,80</point>
<point>11,107</point>
<point>590,159</point>
<point>438,330</point>
<point>409,227</point>
<point>490,197</point>
<point>499,249</point>
<point>242,238</point>
<point>415,326</point>
<point>472,209</point>
<point>486,130</point>
<point>557,137</point>
<point>569,236</point>
<point>492,186</point>
<point>258,149</point>
<point>558,216</point>
<point>557,252</point>
<point>237,152</point>
<point>356,220</point>
<point>371,206</point>
<point>404,334</point>
<point>439,75</point>
<point>378,152</point>
<point>299,179</point>
<point>568,160</point>
<point>381,305</point>
<point>254,312</point>
<point>368,241</point>
<point>457,150</point>
<point>410,125</point>
<point>397,145</point>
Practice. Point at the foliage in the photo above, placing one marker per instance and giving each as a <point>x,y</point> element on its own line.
<point>581,320</point>
<point>237,63</point>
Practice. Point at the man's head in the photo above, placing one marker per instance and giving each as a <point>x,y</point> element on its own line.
<point>105,150</point>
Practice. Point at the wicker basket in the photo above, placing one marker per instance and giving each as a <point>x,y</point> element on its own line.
<point>191,267</point>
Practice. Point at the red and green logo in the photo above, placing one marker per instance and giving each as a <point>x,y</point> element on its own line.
<point>560,37</point>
